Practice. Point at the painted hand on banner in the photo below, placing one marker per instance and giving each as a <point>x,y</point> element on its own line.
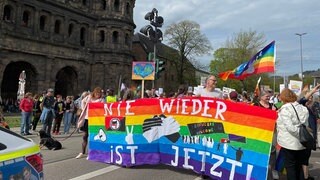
<point>129,137</point>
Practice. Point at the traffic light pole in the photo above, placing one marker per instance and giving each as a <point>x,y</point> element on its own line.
<point>154,60</point>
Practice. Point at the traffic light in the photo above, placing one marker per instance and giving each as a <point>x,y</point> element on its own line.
<point>154,34</point>
<point>159,67</point>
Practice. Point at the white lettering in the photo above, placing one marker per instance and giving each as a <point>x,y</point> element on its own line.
<point>196,102</point>
<point>132,149</point>
<point>215,165</point>
<point>128,107</point>
<point>119,161</point>
<point>184,106</point>
<point>166,107</point>
<point>203,159</point>
<point>233,167</point>
<point>108,109</point>
<point>187,157</point>
<point>118,108</point>
<point>176,156</point>
<point>111,154</point>
<point>249,172</point>
<point>221,108</point>
<point>206,108</point>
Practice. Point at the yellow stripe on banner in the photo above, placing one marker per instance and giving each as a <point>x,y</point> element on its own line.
<point>25,152</point>
<point>97,121</point>
<point>230,128</point>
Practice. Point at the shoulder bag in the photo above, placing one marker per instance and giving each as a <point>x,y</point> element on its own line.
<point>305,137</point>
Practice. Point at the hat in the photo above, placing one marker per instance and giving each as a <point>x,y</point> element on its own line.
<point>50,90</point>
<point>233,95</point>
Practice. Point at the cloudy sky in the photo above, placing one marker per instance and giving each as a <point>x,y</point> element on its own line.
<point>219,20</point>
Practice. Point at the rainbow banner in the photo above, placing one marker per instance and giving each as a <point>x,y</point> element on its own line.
<point>261,62</point>
<point>221,139</point>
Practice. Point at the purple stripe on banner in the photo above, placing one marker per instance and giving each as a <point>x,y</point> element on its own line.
<point>196,166</point>
<point>124,159</point>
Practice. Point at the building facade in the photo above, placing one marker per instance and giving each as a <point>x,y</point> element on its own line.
<point>68,45</point>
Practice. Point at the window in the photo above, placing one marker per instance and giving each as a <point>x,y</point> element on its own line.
<point>82,36</point>
<point>115,36</point>
<point>116,5</point>
<point>84,2</point>
<point>102,36</point>
<point>70,29</point>
<point>126,40</point>
<point>7,13</point>
<point>42,22</point>
<point>57,26</point>
<point>25,18</point>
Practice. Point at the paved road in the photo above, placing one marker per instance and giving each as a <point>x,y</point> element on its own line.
<point>63,165</point>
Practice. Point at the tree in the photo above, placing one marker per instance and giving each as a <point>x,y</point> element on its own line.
<point>186,37</point>
<point>237,50</point>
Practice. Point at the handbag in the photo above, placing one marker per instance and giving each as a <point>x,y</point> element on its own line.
<point>305,137</point>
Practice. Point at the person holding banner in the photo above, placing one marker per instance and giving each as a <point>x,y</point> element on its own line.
<point>94,97</point>
<point>290,116</point>
<point>263,101</point>
<point>209,90</point>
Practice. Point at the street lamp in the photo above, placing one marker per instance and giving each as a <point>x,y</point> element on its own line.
<point>301,34</point>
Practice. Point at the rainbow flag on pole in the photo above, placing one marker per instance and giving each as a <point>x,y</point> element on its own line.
<point>261,62</point>
<point>221,139</point>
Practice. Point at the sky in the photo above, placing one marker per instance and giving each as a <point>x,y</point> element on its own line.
<point>220,20</point>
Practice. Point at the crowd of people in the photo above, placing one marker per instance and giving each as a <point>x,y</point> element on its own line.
<point>53,110</point>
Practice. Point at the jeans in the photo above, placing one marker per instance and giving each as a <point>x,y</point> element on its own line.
<point>67,121</point>
<point>25,122</point>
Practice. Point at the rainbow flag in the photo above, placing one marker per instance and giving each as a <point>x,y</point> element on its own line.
<point>221,139</point>
<point>261,62</point>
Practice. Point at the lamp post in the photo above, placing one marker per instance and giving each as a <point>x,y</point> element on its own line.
<point>300,35</point>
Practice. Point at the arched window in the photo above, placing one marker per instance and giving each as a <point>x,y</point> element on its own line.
<point>102,36</point>
<point>57,26</point>
<point>70,29</point>
<point>7,13</point>
<point>126,40</point>
<point>116,5</point>
<point>115,36</point>
<point>25,18</point>
<point>42,22</point>
<point>82,36</point>
<point>128,9</point>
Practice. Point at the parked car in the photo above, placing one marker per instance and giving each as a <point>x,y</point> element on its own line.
<point>20,157</point>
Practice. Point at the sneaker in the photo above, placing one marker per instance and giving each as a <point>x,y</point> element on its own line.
<point>80,155</point>
<point>275,174</point>
<point>29,134</point>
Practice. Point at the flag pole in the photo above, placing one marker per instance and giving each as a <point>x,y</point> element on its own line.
<point>119,85</point>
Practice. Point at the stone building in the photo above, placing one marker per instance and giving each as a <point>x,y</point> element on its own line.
<point>69,45</point>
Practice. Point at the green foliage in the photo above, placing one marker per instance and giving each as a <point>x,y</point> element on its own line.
<point>13,121</point>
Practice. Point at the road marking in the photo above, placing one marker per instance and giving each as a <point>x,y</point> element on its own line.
<point>96,173</point>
